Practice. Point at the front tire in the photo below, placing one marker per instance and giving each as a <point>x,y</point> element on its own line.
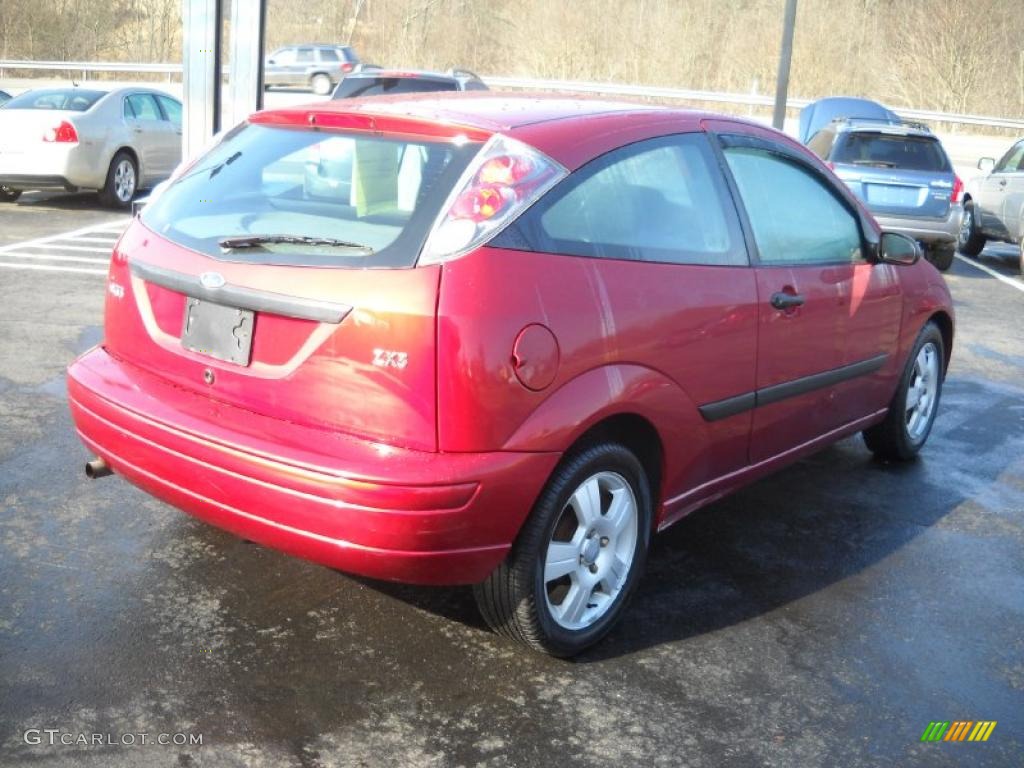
<point>970,241</point>
<point>122,181</point>
<point>579,556</point>
<point>912,410</point>
<point>321,84</point>
<point>8,195</point>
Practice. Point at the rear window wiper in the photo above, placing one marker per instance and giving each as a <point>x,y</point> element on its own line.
<point>258,241</point>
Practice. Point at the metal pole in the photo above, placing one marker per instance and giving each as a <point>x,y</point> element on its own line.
<point>245,79</point>
<point>785,56</point>
<point>201,81</point>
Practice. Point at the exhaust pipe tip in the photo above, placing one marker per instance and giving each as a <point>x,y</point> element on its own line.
<point>97,468</point>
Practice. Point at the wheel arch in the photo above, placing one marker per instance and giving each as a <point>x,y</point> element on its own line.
<point>637,434</point>
<point>945,324</point>
<point>634,404</point>
<point>128,150</point>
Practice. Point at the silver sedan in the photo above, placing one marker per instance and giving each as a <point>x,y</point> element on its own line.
<point>114,141</point>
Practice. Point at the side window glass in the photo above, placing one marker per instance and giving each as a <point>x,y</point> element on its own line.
<point>305,56</point>
<point>144,107</point>
<point>795,216</point>
<point>328,54</point>
<point>1011,161</point>
<point>661,200</point>
<point>284,56</point>
<point>129,113</point>
<point>172,108</point>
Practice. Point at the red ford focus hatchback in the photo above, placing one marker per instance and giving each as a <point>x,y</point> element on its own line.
<point>500,340</point>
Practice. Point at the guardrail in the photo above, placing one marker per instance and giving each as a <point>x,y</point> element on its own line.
<point>570,86</point>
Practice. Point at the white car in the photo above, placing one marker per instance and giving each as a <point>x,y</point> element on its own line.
<point>114,141</point>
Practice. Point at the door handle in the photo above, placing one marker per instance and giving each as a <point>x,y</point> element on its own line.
<point>782,300</point>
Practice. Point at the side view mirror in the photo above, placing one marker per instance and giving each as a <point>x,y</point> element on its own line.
<point>895,248</point>
<point>271,61</point>
<point>986,164</point>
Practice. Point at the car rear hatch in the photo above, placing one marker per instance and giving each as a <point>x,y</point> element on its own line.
<point>896,174</point>
<point>28,135</point>
<point>276,273</point>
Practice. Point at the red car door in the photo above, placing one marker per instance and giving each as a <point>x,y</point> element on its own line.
<point>808,244</point>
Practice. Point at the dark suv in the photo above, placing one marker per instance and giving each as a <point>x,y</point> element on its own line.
<point>318,66</point>
<point>375,81</point>
<point>902,174</point>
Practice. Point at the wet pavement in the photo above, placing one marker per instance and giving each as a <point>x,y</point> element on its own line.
<point>822,617</point>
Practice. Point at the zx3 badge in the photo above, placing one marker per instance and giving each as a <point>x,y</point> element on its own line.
<point>387,358</point>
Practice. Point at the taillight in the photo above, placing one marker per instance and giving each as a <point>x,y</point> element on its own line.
<point>347,67</point>
<point>64,133</point>
<point>958,189</point>
<point>504,179</point>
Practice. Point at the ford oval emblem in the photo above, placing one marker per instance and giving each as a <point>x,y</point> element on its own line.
<point>212,280</point>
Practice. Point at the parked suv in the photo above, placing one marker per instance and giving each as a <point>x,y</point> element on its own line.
<point>319,67</point>
<point>903,175</point>
<point>994,204</point>
<point>375,81</point>
<point>522,335</point>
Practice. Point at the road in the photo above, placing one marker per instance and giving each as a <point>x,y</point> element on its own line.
<point>821,617</point>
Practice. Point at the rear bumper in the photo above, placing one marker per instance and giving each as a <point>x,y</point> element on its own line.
<point>927,230</point>
<point>29,181</point>
<point>54,166</point>
<point>365,508</point>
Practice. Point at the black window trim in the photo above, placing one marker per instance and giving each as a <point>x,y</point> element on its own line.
<point>737,218</point>
<point>721,140</point>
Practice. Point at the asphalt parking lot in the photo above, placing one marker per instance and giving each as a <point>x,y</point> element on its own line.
<point>822,617</point>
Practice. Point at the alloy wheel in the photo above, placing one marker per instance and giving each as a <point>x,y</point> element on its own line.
<point>922,392</point>
<point>124,180</point>
<point>591,551</point>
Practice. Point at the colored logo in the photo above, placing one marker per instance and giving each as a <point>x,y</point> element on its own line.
<point>958,730</point>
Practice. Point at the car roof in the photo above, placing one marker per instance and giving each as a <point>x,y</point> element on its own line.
<point>312,45</point>
<point>861,125</point>
<point>399,72</point>
<point>571,130</point>
<point>490,111</point>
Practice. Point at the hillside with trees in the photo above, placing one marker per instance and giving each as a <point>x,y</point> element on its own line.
<point>936,54</point>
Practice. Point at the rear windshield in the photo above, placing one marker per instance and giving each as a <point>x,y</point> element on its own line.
<point>67,99</point>
<point>351,87</point>
<point>916,153</point>
<point>377,197</point>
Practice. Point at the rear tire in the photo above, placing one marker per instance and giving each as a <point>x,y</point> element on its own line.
<point>321,84</point>
<point>579,556</point>
<point>970,241</point>
<point>913,407</point>
<point>8,195</point>
<point>941,256</point>
<point>122,181</point>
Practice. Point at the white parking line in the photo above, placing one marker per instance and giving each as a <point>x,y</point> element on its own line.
<point>68,247</point>
<point>55,257</point>
<point>989,271</point>
<point>50,268</point>
<point>99,240</point>
<point>94,229</point>
<point>62,247</point>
